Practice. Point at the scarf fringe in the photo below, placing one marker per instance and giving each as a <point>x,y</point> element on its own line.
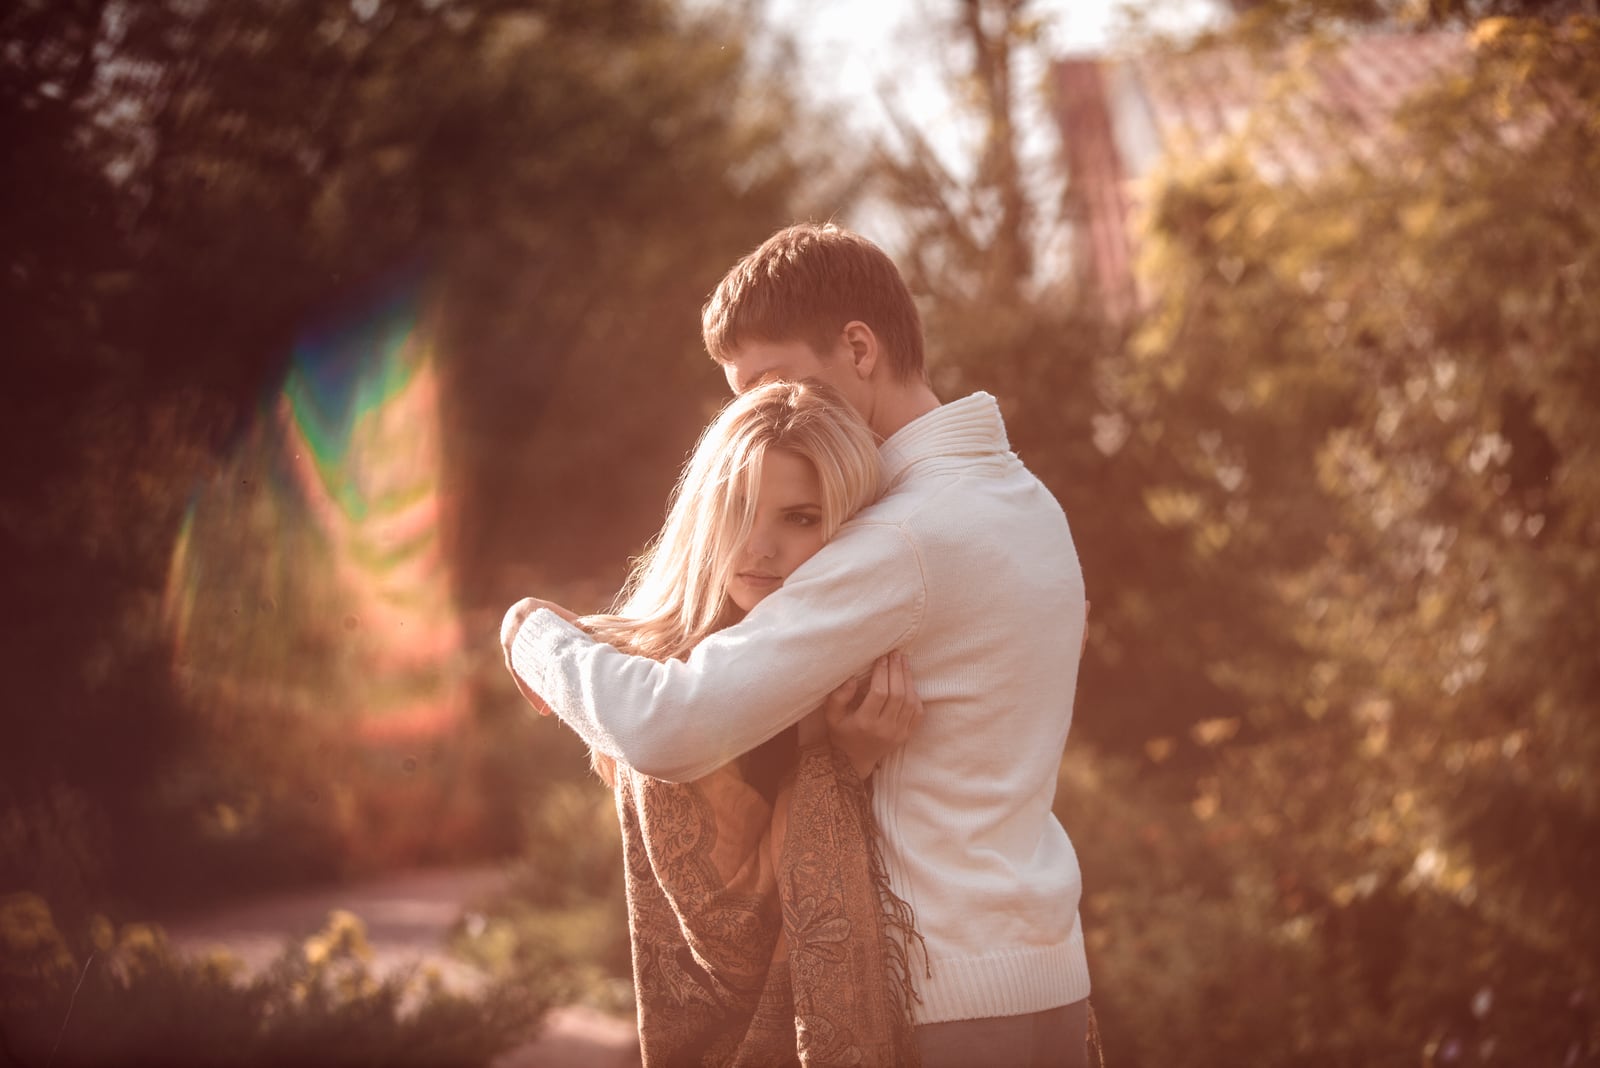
<point>897,923</point>
<point>1095,1054</point>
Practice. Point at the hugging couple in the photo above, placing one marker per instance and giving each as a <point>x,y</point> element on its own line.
<point>832,700</point>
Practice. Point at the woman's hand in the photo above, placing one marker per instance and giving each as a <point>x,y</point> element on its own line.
<point>868,723</point>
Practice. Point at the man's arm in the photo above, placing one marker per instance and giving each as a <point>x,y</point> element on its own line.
<point>859,597</point>
<point>515,616</point>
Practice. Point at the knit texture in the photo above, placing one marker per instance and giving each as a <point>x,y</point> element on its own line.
<point>967,564</point>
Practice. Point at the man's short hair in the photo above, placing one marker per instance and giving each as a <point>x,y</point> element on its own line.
<point>805,283</point>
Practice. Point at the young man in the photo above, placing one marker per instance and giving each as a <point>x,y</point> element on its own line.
<point>967,565</point>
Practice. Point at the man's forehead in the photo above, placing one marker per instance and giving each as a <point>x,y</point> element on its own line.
<point>756,365</point>
<point>748,380</point>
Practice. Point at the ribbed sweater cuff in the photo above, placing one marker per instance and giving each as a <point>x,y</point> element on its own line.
<point>1010,983</point>
<point>535,644</point>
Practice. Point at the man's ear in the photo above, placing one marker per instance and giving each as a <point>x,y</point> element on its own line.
<point>862,345</point>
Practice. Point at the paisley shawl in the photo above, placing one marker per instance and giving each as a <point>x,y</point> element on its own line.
<point>764,933</point>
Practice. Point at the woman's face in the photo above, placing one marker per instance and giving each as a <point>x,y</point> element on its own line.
<point>787,528</point>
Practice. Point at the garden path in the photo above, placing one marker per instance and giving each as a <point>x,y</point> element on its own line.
<point>408,918</point>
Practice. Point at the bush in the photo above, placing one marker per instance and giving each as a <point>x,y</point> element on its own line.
<point>566,912</point>
<point>122,996</point>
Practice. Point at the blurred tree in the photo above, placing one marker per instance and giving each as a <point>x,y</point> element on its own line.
<point>1333,496</point>
<point>1003,315</point>
<point>970,238</point>
<point>80,448</point>
<point>1375,400</point>
<point>192,186</point>
<point>1289,18</point>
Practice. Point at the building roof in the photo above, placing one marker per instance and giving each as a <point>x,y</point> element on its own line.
<point>1121,117</point>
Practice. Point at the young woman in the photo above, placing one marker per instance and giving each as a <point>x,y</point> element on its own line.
<point>762,925</point>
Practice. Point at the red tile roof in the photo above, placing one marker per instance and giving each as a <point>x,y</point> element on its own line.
<point>1121,117</point>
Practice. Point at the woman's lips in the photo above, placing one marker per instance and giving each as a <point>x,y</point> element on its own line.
<point>753,578</point>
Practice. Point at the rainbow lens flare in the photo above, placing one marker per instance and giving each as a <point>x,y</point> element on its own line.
<point>312,575</point>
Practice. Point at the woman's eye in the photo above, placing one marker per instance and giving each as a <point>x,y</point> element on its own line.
<point>804,519</point>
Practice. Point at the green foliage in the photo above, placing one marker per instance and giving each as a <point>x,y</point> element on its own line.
<point>198,186</point>
<point>1366,404</point>
<point>581,943</point>
<point>1331,773</point>
<point>1288,19</point>
<point>123,996</point>
<point>565,913</point>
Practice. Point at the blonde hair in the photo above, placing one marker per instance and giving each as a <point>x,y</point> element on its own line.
<point>805,283</point>
<point>675,594</point>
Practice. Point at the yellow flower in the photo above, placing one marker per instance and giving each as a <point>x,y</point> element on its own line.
<point>26,923</point>
<point>316,949</point>
<point>221,967</point>
<point>101,934</point>
<point>141,938</point>
<point>347,935</point>
<point>30,945</point>
<point>1490,30</point>
<point>141,947</point>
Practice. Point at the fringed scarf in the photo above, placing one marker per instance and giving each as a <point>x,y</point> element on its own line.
<point>764,931</point>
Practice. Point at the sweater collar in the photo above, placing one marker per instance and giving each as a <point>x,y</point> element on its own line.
<point>970,426</point>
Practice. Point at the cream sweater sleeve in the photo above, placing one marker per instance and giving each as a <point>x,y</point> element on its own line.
<point>861,596</point>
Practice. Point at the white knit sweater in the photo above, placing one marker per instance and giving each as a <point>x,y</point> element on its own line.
<point>967,565</point>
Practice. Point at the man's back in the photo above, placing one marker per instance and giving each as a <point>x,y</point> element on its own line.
<point>968,566</point>
<point>970,840</point>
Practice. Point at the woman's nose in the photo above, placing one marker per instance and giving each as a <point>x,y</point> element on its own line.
<point>761,546</point>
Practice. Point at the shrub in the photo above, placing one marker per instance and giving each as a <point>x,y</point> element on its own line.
<point>566,913</point>
<point>124,997</point>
